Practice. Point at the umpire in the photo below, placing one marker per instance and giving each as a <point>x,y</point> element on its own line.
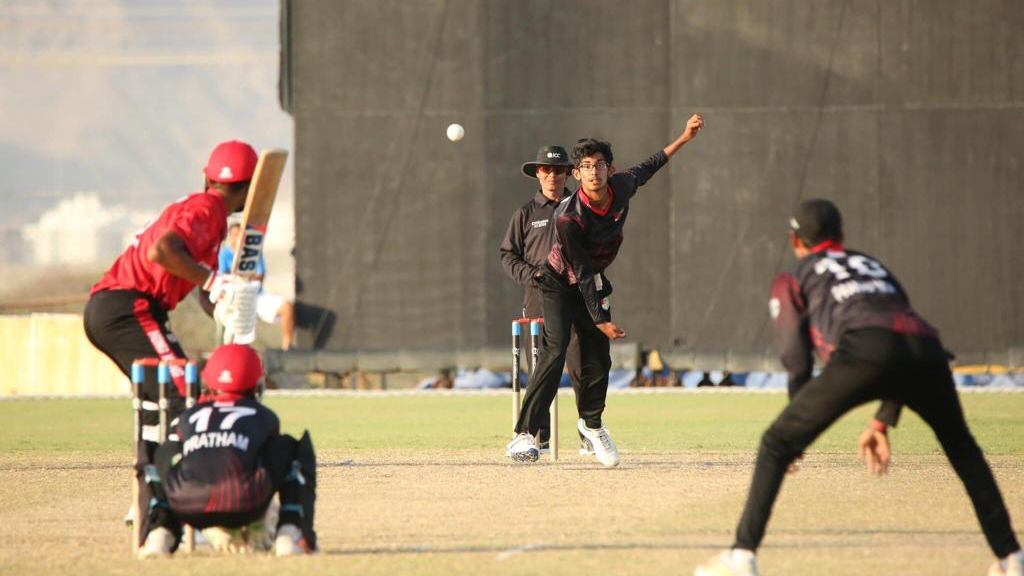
<point>851,310</point>
<point>524,251</point>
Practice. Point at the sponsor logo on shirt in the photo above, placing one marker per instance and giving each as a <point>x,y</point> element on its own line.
<point>539,223</point>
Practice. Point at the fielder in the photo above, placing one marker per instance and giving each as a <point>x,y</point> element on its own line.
<point>850,308</point>
<point>524,251</point>
<point>126,316</point>
<point>223,473</point>
<point>574,290</point>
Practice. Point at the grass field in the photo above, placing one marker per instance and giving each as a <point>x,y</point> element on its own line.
<point>418,485</point>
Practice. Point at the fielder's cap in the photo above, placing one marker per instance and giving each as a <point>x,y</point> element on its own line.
<point>231,161</point>
<point>548,156</point>
<point>233,368</point>
<point>817,220</point>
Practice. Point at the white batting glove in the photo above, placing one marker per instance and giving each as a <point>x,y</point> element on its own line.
<point>222,287</point>
<point>240,324</point>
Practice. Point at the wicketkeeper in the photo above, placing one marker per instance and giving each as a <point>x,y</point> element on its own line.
<point>230,461</point>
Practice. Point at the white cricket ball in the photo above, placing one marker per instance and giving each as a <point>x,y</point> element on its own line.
<point>455,132</point>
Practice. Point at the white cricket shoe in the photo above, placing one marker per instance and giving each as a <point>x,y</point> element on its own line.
<point>604,448</point>
<point>586,446</point>
<point>230,540</point>
<point>733,562</point>
<point>522,448</point>
<point>159,543</point>
<point>1012,565</point>
<point>289,541</point>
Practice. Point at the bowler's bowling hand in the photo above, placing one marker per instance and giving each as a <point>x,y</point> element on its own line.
<point>612,331</point>
<point>873,447</point>
<point>693,125</point>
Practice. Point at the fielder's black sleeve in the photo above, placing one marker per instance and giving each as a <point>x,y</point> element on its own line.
<point>889,412</point>
<point>513,250</point>
<point>643,171</point>
<point>592,284</point>
<point>792,334</point>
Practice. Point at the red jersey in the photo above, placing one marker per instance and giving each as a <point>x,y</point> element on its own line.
<point>201,222</point>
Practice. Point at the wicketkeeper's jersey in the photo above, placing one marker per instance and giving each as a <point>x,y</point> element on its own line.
<point>220,467</point>
<point>828,293</point>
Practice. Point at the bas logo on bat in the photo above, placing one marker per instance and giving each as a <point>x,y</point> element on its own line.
<point>252,246</point>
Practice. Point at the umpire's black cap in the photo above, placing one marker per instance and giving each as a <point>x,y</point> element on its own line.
<point>817,220</point>
<point>548,156</point>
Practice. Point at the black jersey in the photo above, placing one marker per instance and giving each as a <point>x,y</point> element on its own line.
<point>526,245</point>
<point>220,470</point>
<point>586,242</point>
<point>828,293</point>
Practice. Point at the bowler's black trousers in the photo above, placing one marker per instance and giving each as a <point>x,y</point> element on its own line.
<point>564,309</point>
<point>870,365</point>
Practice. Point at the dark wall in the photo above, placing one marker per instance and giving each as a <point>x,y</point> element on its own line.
<point>907,113</point>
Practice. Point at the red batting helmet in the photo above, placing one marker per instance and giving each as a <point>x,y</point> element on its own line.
<point>233,368</point>
<point>231,161</point>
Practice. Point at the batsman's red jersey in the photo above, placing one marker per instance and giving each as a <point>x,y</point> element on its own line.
<point>201,222</point>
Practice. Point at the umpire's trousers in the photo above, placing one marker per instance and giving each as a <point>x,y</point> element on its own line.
<point>869,365</point>
<point>564,309</point>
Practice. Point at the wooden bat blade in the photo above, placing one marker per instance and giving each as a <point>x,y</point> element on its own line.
<point>258,206</point>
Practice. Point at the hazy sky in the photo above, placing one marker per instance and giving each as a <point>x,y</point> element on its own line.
<point>126,98</point>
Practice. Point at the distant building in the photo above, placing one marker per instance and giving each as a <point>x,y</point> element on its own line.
<point>80,231</point>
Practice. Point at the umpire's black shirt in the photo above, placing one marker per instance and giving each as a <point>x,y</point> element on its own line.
<point>526,245</point>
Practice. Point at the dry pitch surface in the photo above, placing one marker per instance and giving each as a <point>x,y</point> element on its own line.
<point>415,486</point>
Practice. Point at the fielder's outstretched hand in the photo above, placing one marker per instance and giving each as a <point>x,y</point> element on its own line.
<point>873,447</point>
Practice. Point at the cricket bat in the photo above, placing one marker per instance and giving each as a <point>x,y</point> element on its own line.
<point>256,215</point>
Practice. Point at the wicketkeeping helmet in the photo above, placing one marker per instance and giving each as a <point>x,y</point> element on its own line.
<point>231,161</point>
<point>233,369</point>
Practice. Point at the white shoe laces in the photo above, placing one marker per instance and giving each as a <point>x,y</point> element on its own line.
<point>606,441</point>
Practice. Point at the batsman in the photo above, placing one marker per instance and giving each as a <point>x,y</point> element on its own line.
<point>127,312</point>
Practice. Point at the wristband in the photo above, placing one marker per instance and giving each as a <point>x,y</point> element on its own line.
<point>208,284</point>
<point>878,425</point>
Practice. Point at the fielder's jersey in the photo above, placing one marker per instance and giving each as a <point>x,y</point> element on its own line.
<point>526,246</point>
<point>220,467</point>
<point>586,241</point>
<point>201,222</point>
<point>828,293</point>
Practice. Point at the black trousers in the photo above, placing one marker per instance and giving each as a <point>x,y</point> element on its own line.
<point>564,313</point>
<point>573,364</point>
<point>870,365</point>
<point>127,325</point>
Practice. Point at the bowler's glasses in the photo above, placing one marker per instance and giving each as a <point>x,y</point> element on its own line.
<point>592,167</point>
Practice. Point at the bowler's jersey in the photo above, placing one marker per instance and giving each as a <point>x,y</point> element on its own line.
<point>219,469</point>
<point>828,293</point>
<point>201,222</point>
<point>586,241</point>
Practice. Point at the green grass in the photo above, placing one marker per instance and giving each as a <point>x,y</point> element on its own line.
<point>649,423</point>
<point>418,486</point>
